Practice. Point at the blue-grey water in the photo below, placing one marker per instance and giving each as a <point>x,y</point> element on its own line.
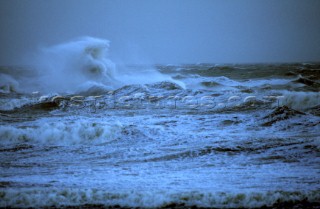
<point>83,131</point>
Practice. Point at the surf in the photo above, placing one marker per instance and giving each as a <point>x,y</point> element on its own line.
<point>82,64</point>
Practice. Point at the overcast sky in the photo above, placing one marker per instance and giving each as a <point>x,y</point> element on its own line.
<point>168,31</point>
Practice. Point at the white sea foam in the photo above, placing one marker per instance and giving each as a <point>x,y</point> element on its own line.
<point>59,197</point>
<point>67,66</point>
<point>159,153</point>
<point>10,104</point>
<point>60,132</point>
<point>300,100</point>
<point>83,62</point>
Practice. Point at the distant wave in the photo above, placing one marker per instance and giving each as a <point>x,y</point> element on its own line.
<point>68,66</point>
<point>77,66</point>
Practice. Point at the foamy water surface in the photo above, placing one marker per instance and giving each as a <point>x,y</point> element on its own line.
<point>205,135</point>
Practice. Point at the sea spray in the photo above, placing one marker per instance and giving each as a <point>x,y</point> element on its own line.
<point>300,100</point>
<point>77,66</point>
<point>67,67</point>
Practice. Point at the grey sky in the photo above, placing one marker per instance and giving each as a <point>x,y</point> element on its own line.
<point>168,31</point>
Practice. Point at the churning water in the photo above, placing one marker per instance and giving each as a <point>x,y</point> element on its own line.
<point>75,130</point>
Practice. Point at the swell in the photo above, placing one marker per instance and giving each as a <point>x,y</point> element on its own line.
<point>248,71</point>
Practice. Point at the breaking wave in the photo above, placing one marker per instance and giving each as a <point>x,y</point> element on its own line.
<point>62,132</point>
<point>76,197</point>
<point>77,66</point>
<point>300,100</point>
<point>68,66</point>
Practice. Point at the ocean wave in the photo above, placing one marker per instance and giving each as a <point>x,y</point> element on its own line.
<point>300,100</point>
<point>60,132</point>
<point>13,103</point>
<point>55,197</point>
<point>67,66</point>
<point>76,66</point>
<point>8,84</point>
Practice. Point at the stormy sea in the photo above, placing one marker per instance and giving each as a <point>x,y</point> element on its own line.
<point>80,131</point>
